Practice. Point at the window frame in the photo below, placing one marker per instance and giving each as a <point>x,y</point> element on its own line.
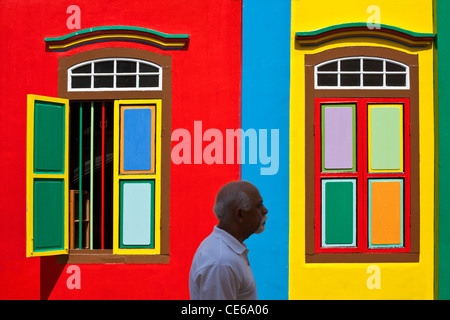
<point>120,177</point>
<point>311,94</point>
<point>163,98</point>
<point>361,175</point>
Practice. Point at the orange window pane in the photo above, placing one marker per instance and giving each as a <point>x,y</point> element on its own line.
<point>386,212</point>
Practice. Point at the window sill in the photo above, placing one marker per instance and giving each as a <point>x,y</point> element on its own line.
<point>107,256</point>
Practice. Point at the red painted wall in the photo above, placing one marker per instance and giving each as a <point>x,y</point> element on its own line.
<point>205,86</point>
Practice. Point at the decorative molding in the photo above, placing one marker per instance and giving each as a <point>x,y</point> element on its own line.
<point>361,29</point>
<point>117,33</point>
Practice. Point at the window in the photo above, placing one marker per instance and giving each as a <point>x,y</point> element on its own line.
<point>362,156</point>
<point>362,72</point>
<point>96,148</point>
<point>362,175</point>
<point>114,74</point>
<point>105,169</point>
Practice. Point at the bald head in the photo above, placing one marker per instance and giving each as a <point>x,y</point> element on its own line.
<point>240,209</point>
<point>232,196</point>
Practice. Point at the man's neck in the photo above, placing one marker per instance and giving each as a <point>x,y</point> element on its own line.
<point>231,231</point>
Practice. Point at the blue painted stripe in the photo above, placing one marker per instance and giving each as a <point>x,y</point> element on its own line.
<point>137,136</point>
<point>265,105</point>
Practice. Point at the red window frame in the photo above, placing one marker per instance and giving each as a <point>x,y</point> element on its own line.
<point>362,174</point>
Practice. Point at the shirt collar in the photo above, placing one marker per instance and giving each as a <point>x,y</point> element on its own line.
<point>231,241</point>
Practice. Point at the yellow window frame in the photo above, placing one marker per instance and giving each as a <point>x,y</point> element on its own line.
<point>118,176</point>
<point>31,176</point>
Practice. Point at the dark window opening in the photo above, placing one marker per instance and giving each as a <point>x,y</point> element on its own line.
<point>327,79</point>
<point>351,65</point>
<point>350,80</point>
<point>96,177</point>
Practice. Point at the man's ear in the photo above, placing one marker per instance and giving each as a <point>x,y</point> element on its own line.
<point>238,215</point>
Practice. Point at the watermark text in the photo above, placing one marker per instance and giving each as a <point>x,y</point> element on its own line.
<point>234,146</point>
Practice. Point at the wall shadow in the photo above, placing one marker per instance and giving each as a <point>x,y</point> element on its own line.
<point>49,275</point>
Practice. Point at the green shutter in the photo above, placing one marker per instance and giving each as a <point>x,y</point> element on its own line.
<point>47,176</point>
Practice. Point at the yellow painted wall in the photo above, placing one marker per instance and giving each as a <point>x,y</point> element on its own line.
<point>349,280</point>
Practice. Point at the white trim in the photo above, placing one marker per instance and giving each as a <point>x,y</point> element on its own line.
<point>114,74</point>
<point>384,72</point>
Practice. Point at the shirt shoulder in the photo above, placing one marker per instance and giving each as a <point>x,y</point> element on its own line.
<point>220,269</point>
<point>214,251</point>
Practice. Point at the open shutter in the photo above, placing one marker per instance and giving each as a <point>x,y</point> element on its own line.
<point>47,176</point>
<point>137,176</point>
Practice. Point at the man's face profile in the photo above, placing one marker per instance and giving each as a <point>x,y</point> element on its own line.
<point>257,214</point>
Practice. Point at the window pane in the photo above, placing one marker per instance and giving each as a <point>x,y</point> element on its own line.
<point>149,81</point>
<point>83,69</point>
<point>350,80</point>
<point>396,80</point>
<point>126,82</point>
<point>372,65</point>
<point>49,133</point>
<point>394,67</point>
<point>351,65</point>
<point>385,213</point>
<point>338,212</point>
<point>338,137</point>
<point>104,67</point>
<point>327,80</point>
<point>371,80</point>
<point>137,213</point>
<point>137,127</point>
<point>48,214</point>
<point>332,66</point>
<point>126,66</point>
<point>103,81</point>
<point>81,82</point>
<point>143,67</point>
<point>385,138</point>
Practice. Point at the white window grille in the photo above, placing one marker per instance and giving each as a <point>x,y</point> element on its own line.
<point>361,73</point>
<point>114,74</point>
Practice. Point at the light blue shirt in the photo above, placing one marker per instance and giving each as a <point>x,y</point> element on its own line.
<point>220,269</point>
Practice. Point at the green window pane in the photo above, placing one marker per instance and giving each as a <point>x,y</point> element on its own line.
<point>49,127</point>
<point>48,214</point>
<point>338,212</point>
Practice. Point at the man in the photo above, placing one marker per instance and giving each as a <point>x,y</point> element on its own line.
<point>220,268</point>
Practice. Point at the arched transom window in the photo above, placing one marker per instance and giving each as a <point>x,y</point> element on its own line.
<point>118,74</point>
<point>361,72</point>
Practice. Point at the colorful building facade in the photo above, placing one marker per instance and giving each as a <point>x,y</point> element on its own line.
<point>122,122</point>
<point>365,172</point>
